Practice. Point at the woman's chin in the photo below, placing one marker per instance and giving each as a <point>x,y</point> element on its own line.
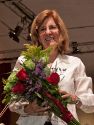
<point>53,43</point>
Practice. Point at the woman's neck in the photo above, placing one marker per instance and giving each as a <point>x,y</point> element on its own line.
<point>53,55</point>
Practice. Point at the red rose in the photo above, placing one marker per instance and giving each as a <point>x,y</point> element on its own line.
<point>53,78</point>
<point>22,75</point>
<point>18,88</point>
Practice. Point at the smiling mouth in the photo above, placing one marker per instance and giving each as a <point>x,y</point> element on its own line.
<point>49,38</point>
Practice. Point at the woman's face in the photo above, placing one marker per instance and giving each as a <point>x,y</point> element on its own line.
<point>48,33</point>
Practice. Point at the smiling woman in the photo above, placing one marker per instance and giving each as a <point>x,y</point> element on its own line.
<point>49,26</point>
<point>48,29</point>
<point>48,33</point>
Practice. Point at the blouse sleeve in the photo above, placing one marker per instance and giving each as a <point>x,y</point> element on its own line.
<point>18,107</point>
<point>84,87</point>
<point>19,61</point>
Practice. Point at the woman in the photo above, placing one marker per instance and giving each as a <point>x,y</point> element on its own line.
<point>48,29</point>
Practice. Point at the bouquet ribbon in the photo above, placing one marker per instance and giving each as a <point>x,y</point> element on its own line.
<point>65,115</point>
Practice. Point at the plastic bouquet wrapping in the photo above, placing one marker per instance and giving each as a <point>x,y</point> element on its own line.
<point>35,81</point>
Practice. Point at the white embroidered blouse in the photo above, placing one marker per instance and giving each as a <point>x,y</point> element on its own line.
<point>73,79</point>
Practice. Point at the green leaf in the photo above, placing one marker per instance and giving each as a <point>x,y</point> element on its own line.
<point>36,53</point>
<point>29,64</point>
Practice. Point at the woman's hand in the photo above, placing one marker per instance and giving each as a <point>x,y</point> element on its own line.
<point>73,99</point>
<point>34,109</point>
<point>66,95</point>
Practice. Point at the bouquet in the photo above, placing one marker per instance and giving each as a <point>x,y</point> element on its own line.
<point>35,81</point>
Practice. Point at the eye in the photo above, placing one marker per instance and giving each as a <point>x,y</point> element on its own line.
<point>53,27</point>
<point>42,29</point>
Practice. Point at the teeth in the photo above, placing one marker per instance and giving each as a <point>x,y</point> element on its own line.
<point>49,38</point>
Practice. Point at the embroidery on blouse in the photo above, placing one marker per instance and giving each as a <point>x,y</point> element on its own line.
<point>60,71</point>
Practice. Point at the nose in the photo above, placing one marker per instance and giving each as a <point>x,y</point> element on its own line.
<point>48,31</point>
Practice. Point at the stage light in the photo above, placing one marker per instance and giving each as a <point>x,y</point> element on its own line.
<point>75,48</point>
<point>14,34</point>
